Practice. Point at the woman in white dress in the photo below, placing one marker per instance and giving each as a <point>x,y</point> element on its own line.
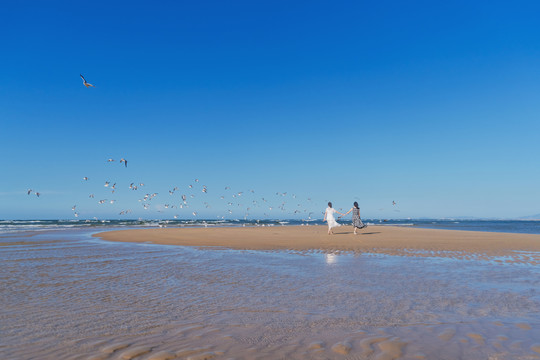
<point>329,217</point>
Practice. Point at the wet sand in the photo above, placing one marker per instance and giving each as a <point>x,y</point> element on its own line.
<point>68,295</point>
<point>390,240</point>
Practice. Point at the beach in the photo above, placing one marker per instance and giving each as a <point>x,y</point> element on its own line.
<point>389,240</point>
<point>281,292</point>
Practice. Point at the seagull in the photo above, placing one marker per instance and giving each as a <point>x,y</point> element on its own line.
<point>87,84</point>
<point>106,183</point>
<point>123,161</point>
<point>393,202</point>
<point>91,196</point>
<point>85,178</point>
<point>110,160</point>
<point>37,194</point>
<point>29,191</point>
<point>73,208</point>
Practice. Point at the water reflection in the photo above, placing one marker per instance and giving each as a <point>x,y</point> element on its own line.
<point>330,259</point>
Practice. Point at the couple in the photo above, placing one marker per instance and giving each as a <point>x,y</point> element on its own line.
<point>332,223</point>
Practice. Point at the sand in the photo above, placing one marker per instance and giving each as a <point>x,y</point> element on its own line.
<point>295,293</point>
<point>390,240</point>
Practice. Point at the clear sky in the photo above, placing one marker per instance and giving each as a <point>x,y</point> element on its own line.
<point>434,105</point>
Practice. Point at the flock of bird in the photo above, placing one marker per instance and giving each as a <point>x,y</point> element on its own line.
<point>181,200</point>
<point>235,203</point>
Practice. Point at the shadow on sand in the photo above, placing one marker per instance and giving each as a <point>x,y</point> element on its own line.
<point>360,233</point>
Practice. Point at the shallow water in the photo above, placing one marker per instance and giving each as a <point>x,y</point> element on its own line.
<point>66,295</point>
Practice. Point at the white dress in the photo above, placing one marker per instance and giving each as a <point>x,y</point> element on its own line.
<point>330,218</point>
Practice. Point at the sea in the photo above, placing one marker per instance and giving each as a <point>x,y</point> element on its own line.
<point>506,226</point>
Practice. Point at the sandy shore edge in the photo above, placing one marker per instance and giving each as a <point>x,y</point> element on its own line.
<point>374,239</point>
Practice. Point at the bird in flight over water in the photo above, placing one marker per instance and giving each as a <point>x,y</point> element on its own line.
<point>123,161</point>
<point>85,83</point>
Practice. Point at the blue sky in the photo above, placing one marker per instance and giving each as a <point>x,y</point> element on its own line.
<point>434,106</point>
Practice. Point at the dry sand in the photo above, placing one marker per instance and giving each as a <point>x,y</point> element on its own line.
<point>391,240</point>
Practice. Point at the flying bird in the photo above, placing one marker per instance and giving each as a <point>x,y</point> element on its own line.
<point>123,161</point>
<point>29,191</point>
<point>87,84</point>
<point>393,202</point>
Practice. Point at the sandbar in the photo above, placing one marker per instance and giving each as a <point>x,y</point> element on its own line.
<point>393,240</point>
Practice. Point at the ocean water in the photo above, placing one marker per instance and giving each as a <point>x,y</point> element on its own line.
<point>508,226</point>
